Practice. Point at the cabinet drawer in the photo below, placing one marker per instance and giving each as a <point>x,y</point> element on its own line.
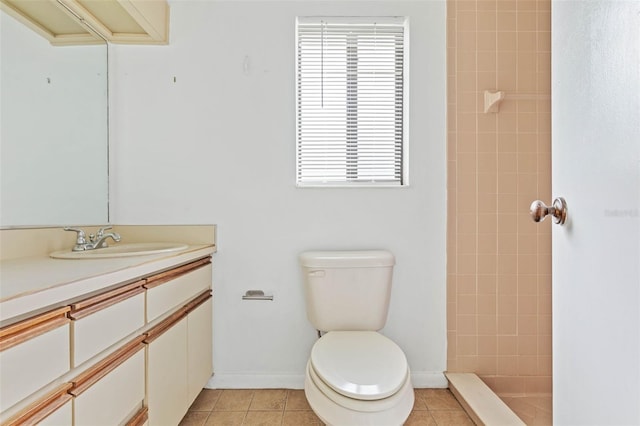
<point>167,293</point>
<point>32,354</point>
<point>116,395</point>
<point>97,326</point>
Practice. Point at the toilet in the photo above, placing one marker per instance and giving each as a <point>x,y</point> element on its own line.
<point>355,375</point>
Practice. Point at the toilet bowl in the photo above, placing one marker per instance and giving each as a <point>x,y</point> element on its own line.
<point>355,375</point>
<point>358,378</point>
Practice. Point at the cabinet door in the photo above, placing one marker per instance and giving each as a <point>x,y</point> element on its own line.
<point>200,348</point>
<point>167,376</point>
<point>115,397</point>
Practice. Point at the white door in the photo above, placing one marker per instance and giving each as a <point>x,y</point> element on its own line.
<point>596,255</point>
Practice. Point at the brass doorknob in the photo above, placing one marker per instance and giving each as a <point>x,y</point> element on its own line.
<point>558,210</point>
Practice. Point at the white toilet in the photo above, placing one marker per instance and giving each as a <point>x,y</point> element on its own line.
<point>355,375</point>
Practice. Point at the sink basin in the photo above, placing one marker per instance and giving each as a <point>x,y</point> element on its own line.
<point>120,250</point>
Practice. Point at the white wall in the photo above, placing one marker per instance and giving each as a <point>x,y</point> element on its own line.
<point>218,146</point>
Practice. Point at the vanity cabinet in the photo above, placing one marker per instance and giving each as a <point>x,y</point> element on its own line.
<point>138,352</point>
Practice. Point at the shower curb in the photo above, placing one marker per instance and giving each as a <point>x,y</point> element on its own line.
<point>481,404</point>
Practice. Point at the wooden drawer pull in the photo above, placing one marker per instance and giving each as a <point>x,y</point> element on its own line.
<point>199,300</point>
<point>88,310</point>
<point>163,277</point>
<point>32,327</point>
<point>104,367</point>
<point>165,325</point>
<point>39,410</point>
<point>84,304</point>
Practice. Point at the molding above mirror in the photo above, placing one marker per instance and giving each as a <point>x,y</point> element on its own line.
<point>76,22</point>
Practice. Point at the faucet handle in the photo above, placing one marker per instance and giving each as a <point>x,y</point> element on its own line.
<point>101,230</point>
<point>81,238</point>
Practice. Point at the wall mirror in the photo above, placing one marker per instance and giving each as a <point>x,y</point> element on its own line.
<point>53,130</point>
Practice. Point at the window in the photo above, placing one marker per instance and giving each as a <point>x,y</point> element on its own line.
<point>350,83</point>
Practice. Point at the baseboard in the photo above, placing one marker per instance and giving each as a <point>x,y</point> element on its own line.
<point>255,381</point>
<point>427,379</point>
<point>295,381</point>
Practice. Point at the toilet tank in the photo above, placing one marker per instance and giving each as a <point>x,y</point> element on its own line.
<point>347,290</point>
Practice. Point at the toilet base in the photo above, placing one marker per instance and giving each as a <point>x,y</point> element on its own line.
<point>333,414</point>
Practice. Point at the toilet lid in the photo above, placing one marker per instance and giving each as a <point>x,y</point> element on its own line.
<point>359,364</point>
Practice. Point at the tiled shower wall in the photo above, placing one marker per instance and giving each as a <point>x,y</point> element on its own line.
<point>499,260</point>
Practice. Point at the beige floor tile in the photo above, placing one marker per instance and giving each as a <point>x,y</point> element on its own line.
<point>206,400</point>
<point>420,418</point>
<point>263,418</point>
<point>438,399</point>
<point>418,402</point>
<point>296,400</point>
<point>226,418</point>
<point>451,418</point>
<point>282,407</point>
<point>234,400</point>
<point>268,399</point>
<point>300,418</point>
<point>195,418</point>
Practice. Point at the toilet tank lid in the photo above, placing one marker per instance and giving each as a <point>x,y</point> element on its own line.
<point>347,259</point>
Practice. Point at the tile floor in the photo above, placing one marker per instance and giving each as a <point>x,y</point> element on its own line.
<point>267,407</point>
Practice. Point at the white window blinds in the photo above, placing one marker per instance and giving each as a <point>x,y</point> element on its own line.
<point>350,101</point>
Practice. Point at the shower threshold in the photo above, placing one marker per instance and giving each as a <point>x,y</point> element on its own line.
<point>479,401</point>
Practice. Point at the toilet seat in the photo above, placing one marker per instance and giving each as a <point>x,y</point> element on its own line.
<point>352,404</point>
<point>360,365</point>
<point>371,354</point>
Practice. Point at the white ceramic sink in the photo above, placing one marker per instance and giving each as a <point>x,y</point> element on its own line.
<point>120,250</point>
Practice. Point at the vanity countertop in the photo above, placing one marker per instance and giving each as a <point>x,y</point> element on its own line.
<point>39,283</point>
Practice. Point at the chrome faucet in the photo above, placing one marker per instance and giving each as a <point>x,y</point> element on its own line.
<point>96,241</point>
